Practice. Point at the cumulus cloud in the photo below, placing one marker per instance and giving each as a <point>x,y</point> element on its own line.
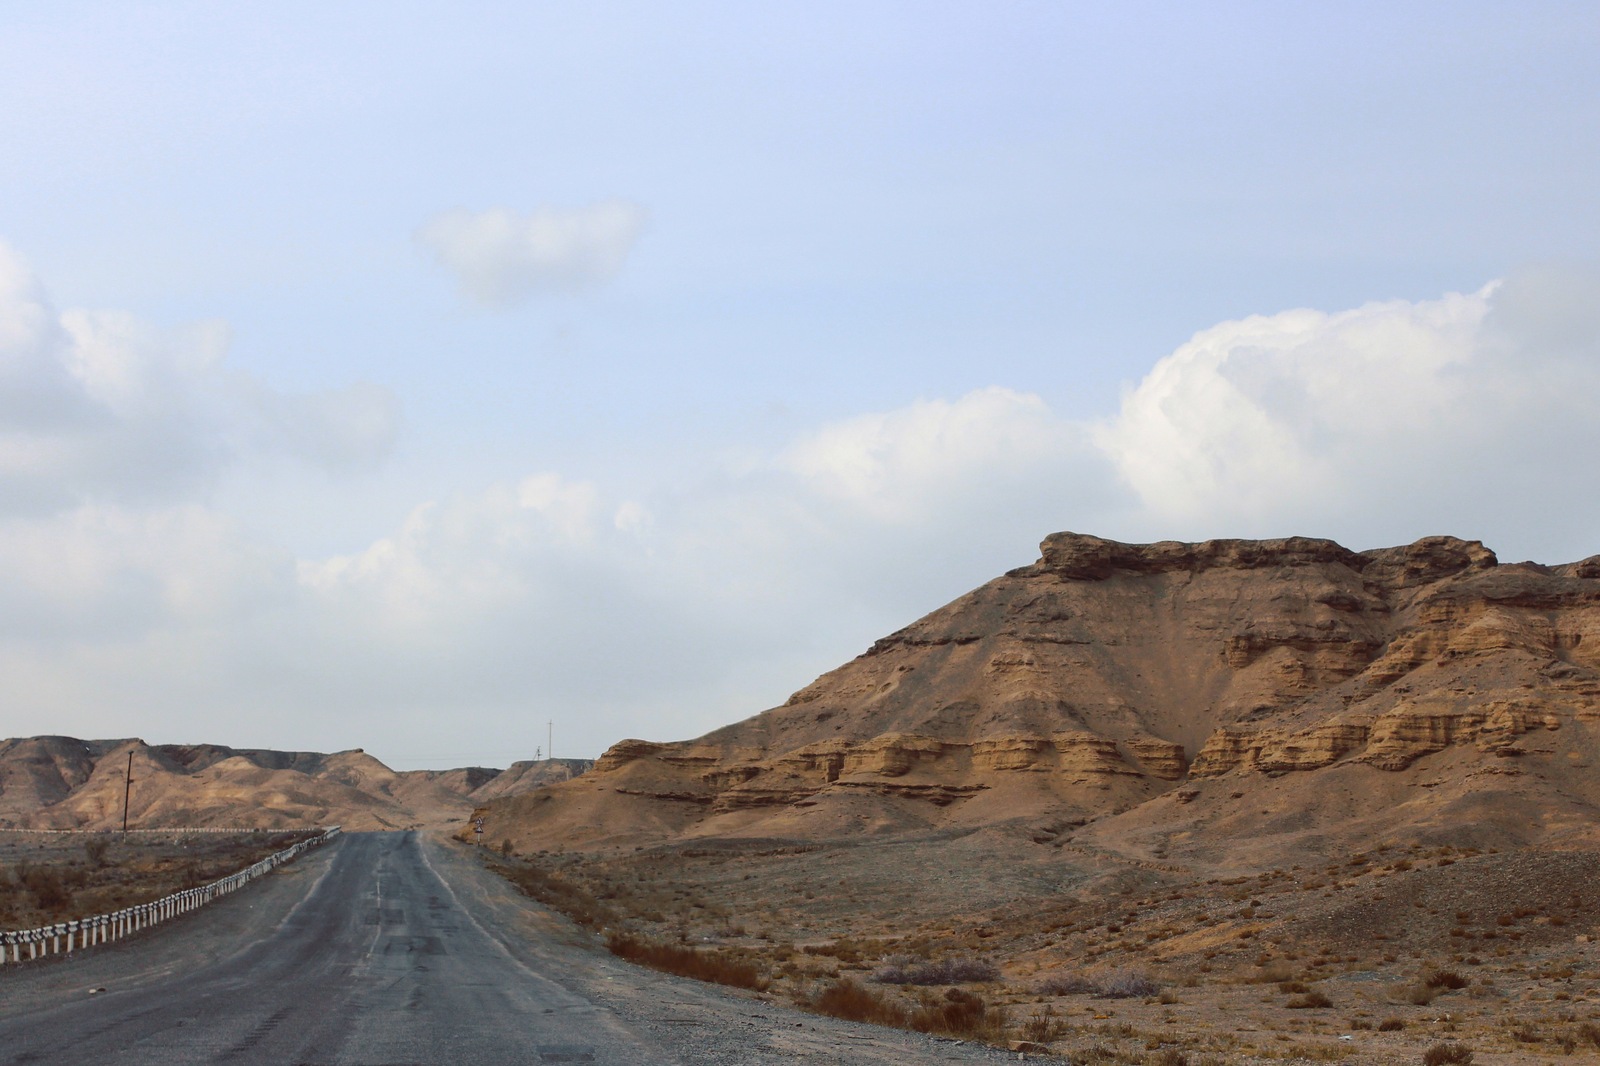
<point>665,611</point>
<point>500,258</point>
<point>1476,414</point>
<point>99,406</point>
<point>900,466</point>
<point>108,573</point>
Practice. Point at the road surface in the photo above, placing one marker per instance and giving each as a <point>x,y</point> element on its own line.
<point>364,955</point>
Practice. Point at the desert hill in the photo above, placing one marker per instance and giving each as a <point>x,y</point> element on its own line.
<point>1163,700</point>
<point>63,782</point>
<point>1277,800</point>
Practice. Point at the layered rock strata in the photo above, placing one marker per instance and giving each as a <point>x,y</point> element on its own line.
<point>1107,674</point>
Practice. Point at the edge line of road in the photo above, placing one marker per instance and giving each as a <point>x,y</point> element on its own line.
<point>500,945</point>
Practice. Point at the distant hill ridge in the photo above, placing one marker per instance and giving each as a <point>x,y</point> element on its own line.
<point>53,782</point>
<point>1159,692</point>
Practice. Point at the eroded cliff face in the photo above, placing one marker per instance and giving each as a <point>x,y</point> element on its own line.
<point>1108,674</point>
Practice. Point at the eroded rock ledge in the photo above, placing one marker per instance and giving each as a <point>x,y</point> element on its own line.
<point>1082,557</point>
<point>910,765</point>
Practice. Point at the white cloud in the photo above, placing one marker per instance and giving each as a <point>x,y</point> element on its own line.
<point>663,612</point>
<point>1475,414</point>
<point>100,407</point>
<point>500,257</point>
<point>112,574</point>
<point>900,465</point>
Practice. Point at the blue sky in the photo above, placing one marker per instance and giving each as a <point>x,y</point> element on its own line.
<point>373,370</point>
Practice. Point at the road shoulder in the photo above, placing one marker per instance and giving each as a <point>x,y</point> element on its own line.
<point>693,1021</point>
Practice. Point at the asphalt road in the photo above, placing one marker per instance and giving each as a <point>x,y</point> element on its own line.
<point>366,956</point>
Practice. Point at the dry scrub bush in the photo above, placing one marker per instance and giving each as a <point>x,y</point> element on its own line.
<point>1124,984</point>
<point>1311,1000</point>
<point>1127,984</point>
<point>714,966</point>
<point>1391,1025</point>
<point>1068,984</point>
<point>905,971</point>
<point>50,888</point>
<point>1447,1055</point>
<point>560,894</point>
<point>1525,1033</point>
<point>957,1013</point>
<point>1043,1027</point>
<point>848,1000</point>
<point>1444,979</point>
<point>1274,971</point>
<point>1419,994</point>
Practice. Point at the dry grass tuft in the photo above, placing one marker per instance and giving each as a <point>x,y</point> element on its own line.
<point>560,894</point>
<point>851,1001</point>
<point>714,966</point>
<point>1309,1001</point>
<point>957,1013</point>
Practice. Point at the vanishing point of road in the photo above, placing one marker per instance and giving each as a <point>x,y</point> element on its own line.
<point>392,949</point>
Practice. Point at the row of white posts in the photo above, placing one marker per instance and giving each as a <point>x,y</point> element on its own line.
<point>25,944</point>
<point>184,831</point>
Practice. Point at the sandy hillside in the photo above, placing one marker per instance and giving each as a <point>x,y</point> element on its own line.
<point>66,783</point>
<point>1194,699</point>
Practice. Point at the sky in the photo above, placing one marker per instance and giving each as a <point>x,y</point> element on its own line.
<point>452,381</point>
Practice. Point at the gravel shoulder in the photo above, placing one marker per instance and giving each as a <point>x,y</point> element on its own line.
<point>692,1021</point>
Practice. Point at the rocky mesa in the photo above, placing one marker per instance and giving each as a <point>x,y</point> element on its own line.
<point>1162,698</point>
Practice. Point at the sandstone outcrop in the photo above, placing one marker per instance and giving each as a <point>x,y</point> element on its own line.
<point>1106,675</point>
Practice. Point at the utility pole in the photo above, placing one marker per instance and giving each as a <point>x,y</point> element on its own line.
<point>127,790</point>
<point>550,741</point>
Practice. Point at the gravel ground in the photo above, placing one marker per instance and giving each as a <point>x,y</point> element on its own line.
<point>695,1022</point>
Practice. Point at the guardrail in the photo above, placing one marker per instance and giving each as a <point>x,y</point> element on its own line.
<point>24,945</point>
<point>176,831</point>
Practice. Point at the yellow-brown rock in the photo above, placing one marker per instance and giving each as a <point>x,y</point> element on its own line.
<point>1106,675</point>
<point>1160,758</point>
<point>995,754</point>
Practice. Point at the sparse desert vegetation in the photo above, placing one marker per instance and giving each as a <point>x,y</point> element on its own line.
<point>1126,969</point>
<point>48,878</point>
